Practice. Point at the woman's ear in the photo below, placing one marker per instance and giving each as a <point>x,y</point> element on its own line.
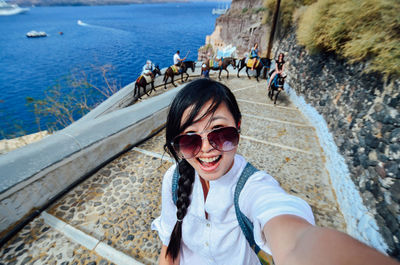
<point>239,123</point>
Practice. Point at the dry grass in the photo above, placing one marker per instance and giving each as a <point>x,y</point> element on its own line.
<point>360,30</point>
<point>287,9</point>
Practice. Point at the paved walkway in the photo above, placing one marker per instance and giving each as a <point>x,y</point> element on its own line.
<point>106,219</point>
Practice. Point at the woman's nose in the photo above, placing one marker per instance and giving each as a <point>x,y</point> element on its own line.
<point>205,145</point>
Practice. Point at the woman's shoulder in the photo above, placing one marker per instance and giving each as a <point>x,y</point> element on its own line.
<point>168,175</point>
<point>260,176</point>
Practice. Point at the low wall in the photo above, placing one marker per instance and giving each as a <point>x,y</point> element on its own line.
<point>361,112</point>
<point>124,97</point>
<point>7,145</point>
<point>34,174</point>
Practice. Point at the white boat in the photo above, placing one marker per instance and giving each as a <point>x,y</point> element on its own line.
<point>10,9</point>
<point>36,34</point>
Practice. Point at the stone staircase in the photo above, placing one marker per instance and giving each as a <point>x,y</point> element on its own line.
<point>106,219</point>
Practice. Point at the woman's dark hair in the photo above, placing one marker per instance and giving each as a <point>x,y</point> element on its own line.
<point>283,57</point>
<point>195,95</point>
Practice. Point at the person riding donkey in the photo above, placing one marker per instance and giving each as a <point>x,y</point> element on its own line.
<point>216,62</point>
<point>147,71</point>
<point>279,68</point>
<point>178,62</point>
<point>253,56</point>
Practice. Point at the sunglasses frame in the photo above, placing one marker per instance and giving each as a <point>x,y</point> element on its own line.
<point>202,138</point>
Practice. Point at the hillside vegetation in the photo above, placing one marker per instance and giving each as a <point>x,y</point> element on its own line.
<point>286,11</point>
<point>359,30</point>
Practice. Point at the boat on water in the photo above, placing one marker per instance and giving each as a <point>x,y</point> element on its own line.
<point>7,9</point>
<point>36,34</point>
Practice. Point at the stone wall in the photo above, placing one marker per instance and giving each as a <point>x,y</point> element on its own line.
<point>362,112</point>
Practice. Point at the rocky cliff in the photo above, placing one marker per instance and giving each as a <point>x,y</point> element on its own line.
<point>362,112</point>
<point>241,26</point>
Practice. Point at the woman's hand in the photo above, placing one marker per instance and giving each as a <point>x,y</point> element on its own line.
<point>294,241</point>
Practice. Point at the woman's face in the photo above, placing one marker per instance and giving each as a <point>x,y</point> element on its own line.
<point>210,163</point>
<point>280,57</point>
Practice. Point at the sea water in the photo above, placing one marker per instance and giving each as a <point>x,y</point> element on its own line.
<point>123,36</point>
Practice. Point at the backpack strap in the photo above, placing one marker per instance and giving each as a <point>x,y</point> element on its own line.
<point>245,224</point>
<point>175,179</point>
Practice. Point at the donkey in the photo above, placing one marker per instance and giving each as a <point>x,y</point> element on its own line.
<point>141,82</point>
<point>263,62</point>
<point>170,73</point>
<point>276,85</point>
<point>225,63</point>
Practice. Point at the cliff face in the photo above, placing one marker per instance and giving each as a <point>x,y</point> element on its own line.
<point>362,112</point>
<point>241,27</point>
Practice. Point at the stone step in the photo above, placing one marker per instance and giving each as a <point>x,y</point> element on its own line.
<point>272,112</point>
<point>118,204</point>
<point>258,94</point>
<point>282,134</point>
<point>39,243</point>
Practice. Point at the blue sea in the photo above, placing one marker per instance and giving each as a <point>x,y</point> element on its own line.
<point>122,36</point>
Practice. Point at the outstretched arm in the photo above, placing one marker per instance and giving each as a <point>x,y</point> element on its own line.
<point>294,241</point>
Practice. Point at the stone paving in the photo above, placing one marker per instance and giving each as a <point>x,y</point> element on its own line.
<point>118,203</point>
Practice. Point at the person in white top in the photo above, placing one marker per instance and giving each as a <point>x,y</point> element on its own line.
<point>147,68</point>
<point>177,58</point>
<point>202,134</point>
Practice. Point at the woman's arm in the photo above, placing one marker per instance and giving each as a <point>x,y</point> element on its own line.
<point>166,260</point>
<point>294,241</point>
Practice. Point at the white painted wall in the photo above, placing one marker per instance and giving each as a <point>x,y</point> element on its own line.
<point>360,223</point>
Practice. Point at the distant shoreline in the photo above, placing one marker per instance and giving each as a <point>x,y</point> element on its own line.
<point>37,3</point>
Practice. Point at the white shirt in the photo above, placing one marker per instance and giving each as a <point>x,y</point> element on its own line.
<point>147,68</point>
<point>176,57</point>
<point>219,239</point>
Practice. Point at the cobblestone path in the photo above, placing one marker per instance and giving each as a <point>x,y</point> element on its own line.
<point>106,219</point>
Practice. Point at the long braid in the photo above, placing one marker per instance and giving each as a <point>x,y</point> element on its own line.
<point>194,95</point>
<point>185,186</point>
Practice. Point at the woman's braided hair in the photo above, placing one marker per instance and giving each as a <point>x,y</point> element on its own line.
<point>195,95</point>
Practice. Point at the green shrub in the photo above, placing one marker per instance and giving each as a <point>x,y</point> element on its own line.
<point>258,10</point>
<point>244,10</point>
<point>360,30</point>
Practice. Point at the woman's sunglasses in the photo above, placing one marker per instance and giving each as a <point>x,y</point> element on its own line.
<point>222,139</point>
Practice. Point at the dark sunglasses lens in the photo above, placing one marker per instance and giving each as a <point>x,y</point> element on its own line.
<point>188,145</point>
<point>224,139</point>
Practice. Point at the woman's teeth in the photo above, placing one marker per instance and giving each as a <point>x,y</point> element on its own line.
<point>208,159</point>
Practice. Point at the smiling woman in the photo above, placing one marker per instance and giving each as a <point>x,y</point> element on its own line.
<point>202,212</point>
